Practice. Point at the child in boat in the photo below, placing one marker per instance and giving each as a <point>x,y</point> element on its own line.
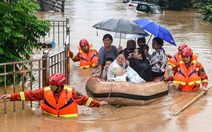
<point>189,73</point>
<point>104,73</point>
<point>107,64</point>
<point>87,56</point>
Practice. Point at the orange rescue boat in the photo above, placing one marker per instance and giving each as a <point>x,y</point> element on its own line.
<point>125,93</point>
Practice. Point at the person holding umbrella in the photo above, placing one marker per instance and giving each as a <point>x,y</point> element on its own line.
<point>58,99</point>
<point>158,59</point>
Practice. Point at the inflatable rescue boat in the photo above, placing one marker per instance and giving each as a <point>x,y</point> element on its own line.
<point>125,93</point>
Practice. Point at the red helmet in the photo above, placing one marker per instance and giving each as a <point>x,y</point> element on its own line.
<point>182,46</point>
<point>83,42</point>
<point>57,79</point>
<point>186,52</point>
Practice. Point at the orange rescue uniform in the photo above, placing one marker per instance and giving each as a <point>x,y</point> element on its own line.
<point>87,59</point>
<point>63,104</point>
<point>189,78</point>
<point>173,61</point>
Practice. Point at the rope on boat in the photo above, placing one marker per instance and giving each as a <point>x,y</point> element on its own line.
<point>109,105</point>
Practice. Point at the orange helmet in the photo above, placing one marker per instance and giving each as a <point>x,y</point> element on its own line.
<point>182,46</point>
<point>186,52</point>
<point>57,79</point>
<point>83,42</point>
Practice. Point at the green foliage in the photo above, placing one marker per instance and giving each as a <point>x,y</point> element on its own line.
<point>206,9</point>
<point>19,29</point>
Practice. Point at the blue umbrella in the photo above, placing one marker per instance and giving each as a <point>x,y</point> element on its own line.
<point>156,29</point>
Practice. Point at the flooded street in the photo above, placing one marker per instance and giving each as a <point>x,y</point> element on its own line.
<point>185,26</point>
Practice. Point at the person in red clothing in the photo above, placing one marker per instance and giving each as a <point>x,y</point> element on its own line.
<point>189,73</point>
<point>58,99</point>
<point>172,62</point>
<point>87,56</point>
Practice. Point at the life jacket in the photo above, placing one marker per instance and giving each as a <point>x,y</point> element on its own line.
<point>66,107</point>
<point>89,59</point>
<point>187,78</point>
<point>174,60</point>
<point>177,58</point>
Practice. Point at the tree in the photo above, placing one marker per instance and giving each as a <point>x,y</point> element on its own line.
<point>206,9</point>
<point>19,29</point>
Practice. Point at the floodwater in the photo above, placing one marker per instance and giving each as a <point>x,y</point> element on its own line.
<point>185,26</point>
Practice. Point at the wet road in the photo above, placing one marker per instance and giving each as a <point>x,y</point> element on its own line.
<point>185,26</point>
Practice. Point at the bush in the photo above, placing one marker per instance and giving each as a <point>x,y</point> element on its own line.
<point>19,29</point>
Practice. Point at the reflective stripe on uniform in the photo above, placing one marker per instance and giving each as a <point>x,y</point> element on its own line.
<point>67,88</point>
<point>179,82</point>
<point>64,116</point>
<point>173,65</point>
<point>193,82</point>
<point>22,96</point>
<point>205,80</point>
<point>88,101</point>
<point>68,115</point>
<point>47,88</point>
<point>82,67</point>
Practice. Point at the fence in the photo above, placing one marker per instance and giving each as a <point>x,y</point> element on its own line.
<point>57,33</point>
<point>33,74</point>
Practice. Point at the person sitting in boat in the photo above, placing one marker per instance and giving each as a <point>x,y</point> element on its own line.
<point>173,61</point>
<point>145,48</point>
<point>141,64</point>
<point>158,59</point>
<point>107,64</point>
<point>106,51</point>
<point>141,42</point>
<point>87,56</point>
<point>130,47</point>
<point>104,73</point>
<point>189,73</point>
<point>117,69</point>
<point>58,99</point>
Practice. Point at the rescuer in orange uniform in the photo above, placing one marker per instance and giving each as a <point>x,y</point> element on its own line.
<point>58,99</point>
<point>173,61</point>
<point>189,73</point>
<point>87,56</point>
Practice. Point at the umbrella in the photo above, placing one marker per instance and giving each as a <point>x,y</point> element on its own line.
<point>129,36</point>
<point>120,25</point>
<point>156,29</point>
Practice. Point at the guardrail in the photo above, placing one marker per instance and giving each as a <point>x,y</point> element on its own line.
<point>35,72</point>
<point>58,33</point>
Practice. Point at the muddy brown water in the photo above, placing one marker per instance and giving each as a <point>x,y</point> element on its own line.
<point>185,26</point>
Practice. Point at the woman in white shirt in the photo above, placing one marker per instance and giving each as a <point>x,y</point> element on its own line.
<point>117,68</point>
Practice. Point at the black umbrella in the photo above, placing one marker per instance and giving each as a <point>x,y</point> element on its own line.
<point>122,26</point>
